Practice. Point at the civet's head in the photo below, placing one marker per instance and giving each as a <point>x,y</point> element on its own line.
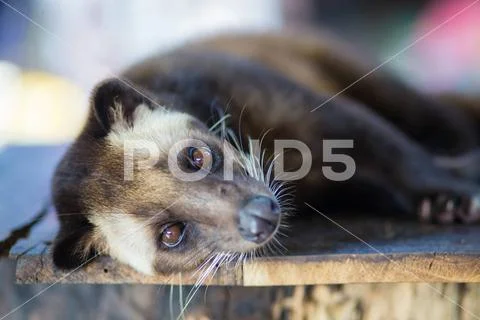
<point>156,189</point>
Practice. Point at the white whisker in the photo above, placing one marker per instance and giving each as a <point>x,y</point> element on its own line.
<point>171,301</point>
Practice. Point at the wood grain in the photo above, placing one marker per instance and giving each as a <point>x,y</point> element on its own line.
<point>317,251</point>
<point>368,268</point>
<point>394,256</point>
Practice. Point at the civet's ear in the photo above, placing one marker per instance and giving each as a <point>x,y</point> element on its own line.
<point>115,100</point>
<point>74,245</point>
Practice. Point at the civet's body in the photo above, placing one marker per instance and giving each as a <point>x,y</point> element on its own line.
<point>412,154</point>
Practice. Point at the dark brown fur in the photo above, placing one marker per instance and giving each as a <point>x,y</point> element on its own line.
<point>268,82</point>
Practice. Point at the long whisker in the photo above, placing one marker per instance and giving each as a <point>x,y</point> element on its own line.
<point>220,122</point>
<point>214,266</point>
<point>171,301</point>
<point>180,296</point>
<point>240,125</point>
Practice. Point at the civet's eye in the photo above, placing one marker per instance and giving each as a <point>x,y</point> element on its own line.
<point>199,157</point>
<point>172,234</point>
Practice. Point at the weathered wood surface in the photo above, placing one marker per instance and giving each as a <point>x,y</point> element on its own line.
<point>403,301</point>
<point>317,251</point>
<point>433,254</point>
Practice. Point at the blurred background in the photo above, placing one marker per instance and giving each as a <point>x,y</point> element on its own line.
<point>52,53</point>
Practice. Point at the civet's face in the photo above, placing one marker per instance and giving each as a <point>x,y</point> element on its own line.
<point>163,193</point>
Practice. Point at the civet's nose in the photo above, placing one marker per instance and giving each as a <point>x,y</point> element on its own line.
<point>259,218</point>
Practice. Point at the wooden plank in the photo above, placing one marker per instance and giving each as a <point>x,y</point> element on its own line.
<point>364,268</point>
<point>382,250</point>
<point>403,252</point>
<point>317,251</point>
<point>39,269</point>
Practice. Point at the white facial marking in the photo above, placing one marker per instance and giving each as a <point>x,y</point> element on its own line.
<point>128,240</point>
<point>160,126</point>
